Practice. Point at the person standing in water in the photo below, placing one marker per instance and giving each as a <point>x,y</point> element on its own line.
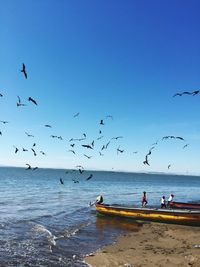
<point>144,199</point>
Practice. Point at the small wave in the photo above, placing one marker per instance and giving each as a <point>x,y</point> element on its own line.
<point>71,232</point>
<point>41,229</point>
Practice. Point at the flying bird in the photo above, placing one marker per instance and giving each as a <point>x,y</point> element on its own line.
<point>76,115</point>
<point>116,137</point>
<point>61,181</point>
<point>19,103</point>
<point>29,166</point>
<point>145,162</point>
<point>0,132</point>
<point>1,95</point>
<point>32,100</point>
<point>4,122</point>
<point>88,146</point>
<point>42,152</point>
<point>119,150</point>
<point>24,149</point>
<point>24,70</point>
<point>102,122</point>
<point>169,166</point>
<point>29,135</point>
<point>48,126</point>
<point>16,149</point>
<point>91,175</point>
<point>34,153</point>
<point>89,157</point>
<point>185,145</point>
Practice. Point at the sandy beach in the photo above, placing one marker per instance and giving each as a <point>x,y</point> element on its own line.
<point>155,244</point>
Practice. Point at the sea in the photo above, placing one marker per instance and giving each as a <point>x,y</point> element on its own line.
<point>46,223</point>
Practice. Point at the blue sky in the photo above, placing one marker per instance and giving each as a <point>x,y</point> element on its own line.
<point>121,58</point>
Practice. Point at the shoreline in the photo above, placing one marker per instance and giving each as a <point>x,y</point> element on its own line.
<point>155,244</point>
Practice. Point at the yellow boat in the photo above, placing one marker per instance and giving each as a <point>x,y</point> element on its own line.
<point>188,217</point>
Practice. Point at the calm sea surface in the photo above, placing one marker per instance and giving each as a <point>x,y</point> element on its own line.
<point>44,223</point>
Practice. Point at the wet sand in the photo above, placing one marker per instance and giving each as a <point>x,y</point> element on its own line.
<point>155,244</point>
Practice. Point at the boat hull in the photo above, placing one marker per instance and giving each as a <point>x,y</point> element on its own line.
<point>187,217</point>
<point>181,205</point>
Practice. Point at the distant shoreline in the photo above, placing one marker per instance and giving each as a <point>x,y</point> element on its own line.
<point>107,171</point>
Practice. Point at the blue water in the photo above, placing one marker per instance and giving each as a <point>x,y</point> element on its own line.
<point>44,223</point>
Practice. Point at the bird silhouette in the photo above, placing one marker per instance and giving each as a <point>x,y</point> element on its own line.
<point>42,152</point>
<point>47,126</point>
<point>89,157</point>
<point>185,146</point>
<point>29,166</point>
<point>146,162</point>
<point>0,132</point>
<point>102,122</point>
<point>119,150</point>
<point>35,168</point>
<point>88,146</point>
<point>101,153</point>
<point>61,181</point>
<point>24,70</point>
<point>16,149</point>
<point>1,95</point>
<point>34,153</point>
<point>32,100</point>
<point>169,166</point>
<point>4,122</point>
<point>89,177</point>
<point>76,115</point>
<point>19,103</point>
<point>29,135</point>
<point>116,137</point>
<point>24,149</point>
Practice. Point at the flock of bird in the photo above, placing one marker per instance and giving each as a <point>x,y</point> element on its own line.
<point>91,145</point>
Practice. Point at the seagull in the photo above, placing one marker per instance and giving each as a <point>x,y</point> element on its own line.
<point>24,70</point>
<point>169,166</point>
<point>76,115</point>
<point>61,181</point>
<point>80,170</point>
<point>1,95</point>
<point>116,137</point>
<point>146,161</point>
<point>48,126</point>
<point>89,157</point>
<point>42,152</point>
<point>32,100</point>
<point>16,149</point>
<point>0,132</point>
<point>72,145</point>
<point>24,149</point>
<point>4,122</point>
<point>29,166</point>
<point>87,146</point>
<point>119,150</point>
<point>29,135</point>
<point>84,135</point>
<point>34,152</point>
<point>101,122</point>
<point>91,175</point>
<point>19,103</point>
<point>185,145</point>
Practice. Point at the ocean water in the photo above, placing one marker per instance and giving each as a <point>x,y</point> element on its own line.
<point>45,223</point>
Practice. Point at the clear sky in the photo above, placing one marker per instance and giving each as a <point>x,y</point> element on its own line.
<point>110,57</point>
